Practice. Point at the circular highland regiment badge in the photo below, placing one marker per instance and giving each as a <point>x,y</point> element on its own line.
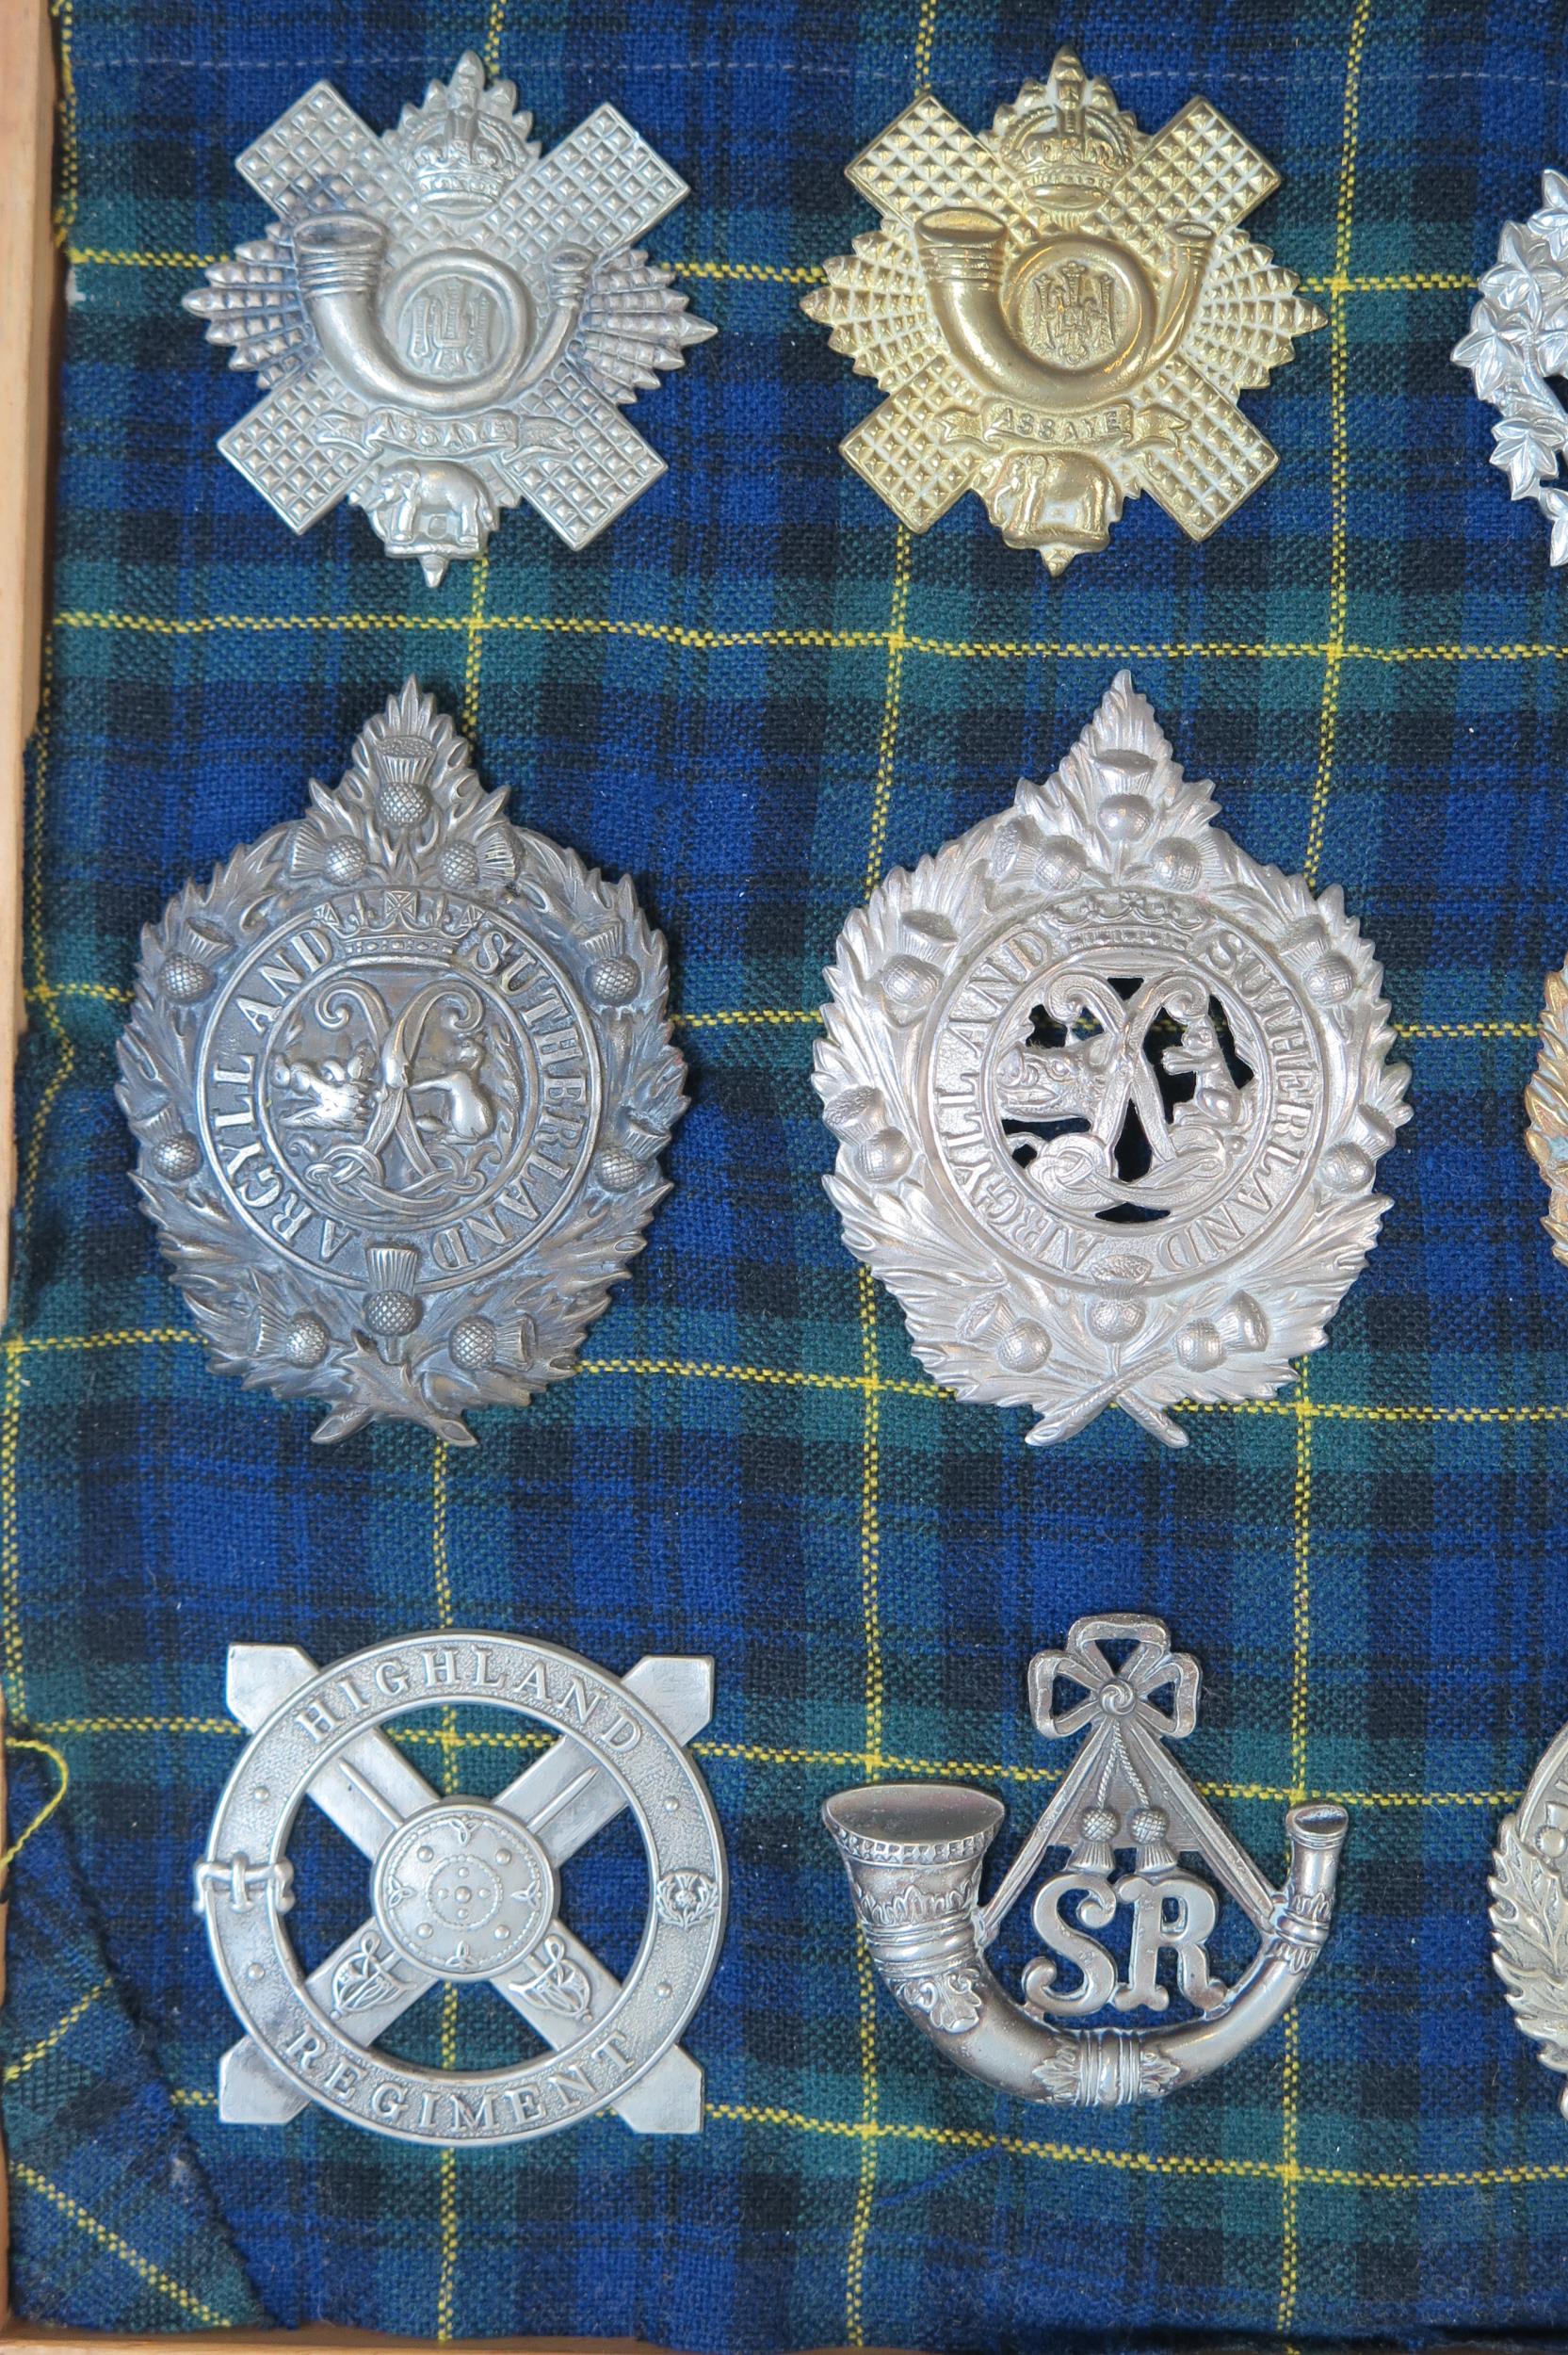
<point>1110,1097</point>
<point>400,1074</point>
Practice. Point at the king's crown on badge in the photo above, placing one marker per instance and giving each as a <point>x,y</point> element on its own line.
<point>400,1075</point>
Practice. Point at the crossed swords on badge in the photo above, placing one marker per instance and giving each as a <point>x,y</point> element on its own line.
<point>371,1793</point>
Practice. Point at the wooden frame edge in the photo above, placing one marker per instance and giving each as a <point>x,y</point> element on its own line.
<point>30,284</point>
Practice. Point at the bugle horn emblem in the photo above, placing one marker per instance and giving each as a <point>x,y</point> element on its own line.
<point>1125,1819</point>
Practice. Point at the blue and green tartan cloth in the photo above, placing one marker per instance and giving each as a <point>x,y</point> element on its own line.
<point>751,694</point>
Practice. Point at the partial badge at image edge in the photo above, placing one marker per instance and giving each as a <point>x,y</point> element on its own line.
<point>1063,312</point>
<point>1122,1819</point>
<point>1516,341</point>
<point>1529,1911</point>
<point>463,1890</point>
<point>1110,1097</point>
<point>445,324</point>
<point>1546,1110</point>
<point>400,1074</point>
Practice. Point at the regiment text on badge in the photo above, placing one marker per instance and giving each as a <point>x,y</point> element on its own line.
<point>463,1889</point>
<point>400,1074</point>
<point>1062,311</point>
<point>915,1853</point>
<point>445,324</point>
<point>1109,1095</point>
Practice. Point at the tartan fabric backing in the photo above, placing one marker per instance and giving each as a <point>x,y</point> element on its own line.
<point>753,694</point>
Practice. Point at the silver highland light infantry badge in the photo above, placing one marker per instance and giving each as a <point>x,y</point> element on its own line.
<point>463,1889</point>
<point>400,1075</point>
<point>1517,339</point>
<point>1529,1910</point>
<point>1061,311</point>
<point>445,324</point>
<point>1110,1097</point>
<point>914,1851</point>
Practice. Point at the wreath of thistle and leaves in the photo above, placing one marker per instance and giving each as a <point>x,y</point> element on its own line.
<point>1529,1952</point>
<point>1517,339</point>
<point>496,1340</point>
<point>1116,828</point>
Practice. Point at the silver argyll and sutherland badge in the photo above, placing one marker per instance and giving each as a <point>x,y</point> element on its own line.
<point>400,1075</point>
<point>1109,1095</point>
<point>915,1853</point>
<point>463,1889</point>
<point>1517,340</point>
<point>445,323</point>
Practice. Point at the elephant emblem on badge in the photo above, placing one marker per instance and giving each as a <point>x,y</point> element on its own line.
<point>914,1852</point>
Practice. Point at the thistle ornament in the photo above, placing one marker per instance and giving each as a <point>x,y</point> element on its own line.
<point>463,1889</point>
<point>400,1074</point>
<point>1130,1832</point>
<point>1517,339</point>
<point>1110,1097</point>
<point>445,324</point>
<point>1062,311</point>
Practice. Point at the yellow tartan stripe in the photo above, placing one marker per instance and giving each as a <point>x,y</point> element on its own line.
<point>791,1377</point>
<point>1138,2162</point>
<point>153,2275</point>
<point>763,1754</point>
<point>58,2034</point>
<point>831,641</point>
<point>811,274</point>
<point>785,1017</point>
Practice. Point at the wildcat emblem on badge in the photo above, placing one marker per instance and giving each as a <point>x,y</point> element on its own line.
<point>913,1854</point>
<point>461,1890</point>
<point>400,1074</point>
<point>1062,311</point>
<point>1109,1095</point>
<point>445,324</point>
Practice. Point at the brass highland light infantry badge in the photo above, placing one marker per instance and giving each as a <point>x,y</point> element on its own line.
<point>914,1852</point>
<point>445,324</point>
<point>1109,1095</point>
<point>1529,1910</point>
<point>1517,339</point>
<point>400,1075</point>
<point>1061,311</point>
<point>463,1890</point>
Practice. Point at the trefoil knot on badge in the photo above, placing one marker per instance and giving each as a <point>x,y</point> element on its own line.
<point>445,323</point>
<point>1124,1927</point>
<point>1110,1097</point>
<point>400,1075</point>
